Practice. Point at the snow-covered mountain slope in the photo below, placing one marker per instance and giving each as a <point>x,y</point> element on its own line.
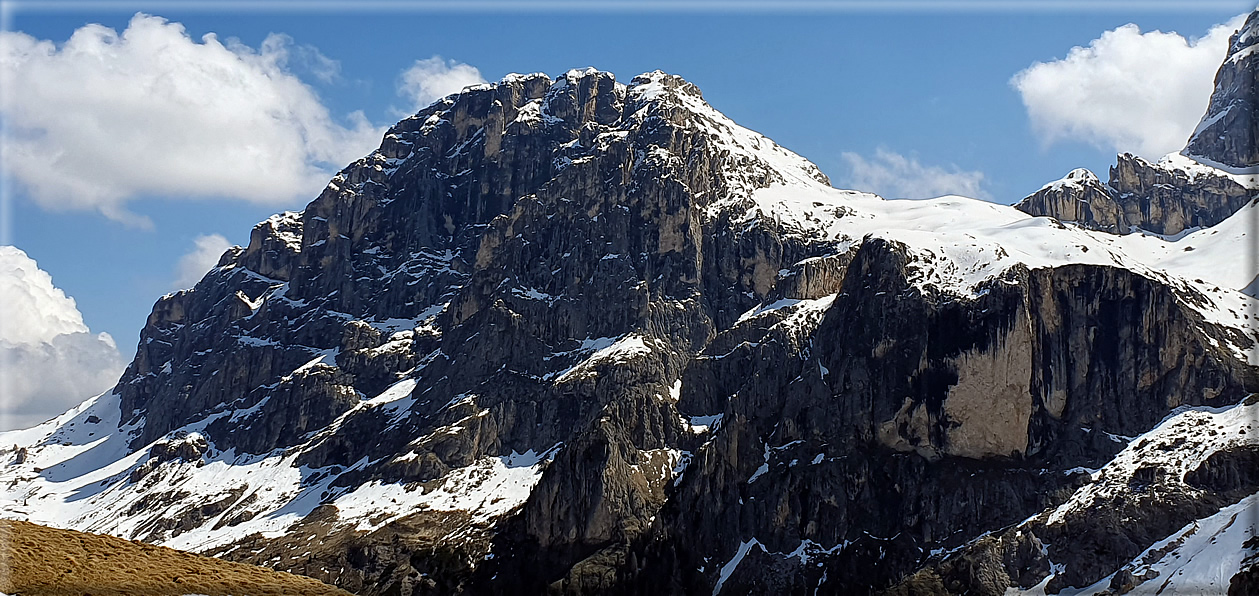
<point>1199,167</point>
<point>79,474</point>
<point>958,243</point>
<point>1177,484</point>
<point>597,336</point>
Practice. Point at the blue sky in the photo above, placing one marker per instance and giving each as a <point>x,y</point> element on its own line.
<point>857,92</point>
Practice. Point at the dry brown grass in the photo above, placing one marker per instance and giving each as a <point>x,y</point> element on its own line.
<point>38,560</point>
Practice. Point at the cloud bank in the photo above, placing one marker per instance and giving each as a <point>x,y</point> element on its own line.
<point>894,176</point>
<point>433,78</point>
<point>153,112</point>
<point>1126,91</point>
<point>49,359</point>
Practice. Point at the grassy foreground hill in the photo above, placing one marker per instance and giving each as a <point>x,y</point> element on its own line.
<point>44,561</point>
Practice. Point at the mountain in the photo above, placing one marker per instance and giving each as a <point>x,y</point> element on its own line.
<point>1228,135</point>
<point>579,336</point>
<point>52,562</point>
<point>1216,173</point>
<point>1170,197</point>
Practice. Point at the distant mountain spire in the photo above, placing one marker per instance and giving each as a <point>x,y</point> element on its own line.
<point>1228,134</point>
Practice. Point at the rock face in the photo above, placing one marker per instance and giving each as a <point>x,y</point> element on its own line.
<point>1079,197</point>
<point>595,338</point>
<point>1229,132</point>
<point>1159,517</point>
<point>1168,197</point>
<point>1199,188</point>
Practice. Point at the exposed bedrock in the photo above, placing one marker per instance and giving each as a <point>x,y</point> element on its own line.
<point>577,274</point>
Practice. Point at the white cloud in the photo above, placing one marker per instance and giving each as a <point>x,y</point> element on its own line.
<point>302,58</point>
<point>49,359</point>
<point>431,79</point>
<point>1128,90</point>
<point>34,309</point>
<point>895,176</point>
<point>203,257</point>
<point>107,117</point>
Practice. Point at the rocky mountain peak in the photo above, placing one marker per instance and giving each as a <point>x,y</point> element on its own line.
<point>1228,134</point>
<point>419,228</point>
<point>1081,176</point>
<point>1245,38</point>
<point>650,85</point>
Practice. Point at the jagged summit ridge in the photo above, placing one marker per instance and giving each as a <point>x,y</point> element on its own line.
<point>597,337</point>
<point>590,96</point>
<point>427,209</point>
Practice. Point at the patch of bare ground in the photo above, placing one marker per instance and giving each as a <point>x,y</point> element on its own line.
<point>38,560</point>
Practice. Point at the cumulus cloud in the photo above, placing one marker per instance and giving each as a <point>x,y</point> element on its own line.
<point>203,257</point>
<point>1126,91</point>
<point>895,176</point>
<point>49,359</point>
<point>433,78</point>
<point>107,117</point>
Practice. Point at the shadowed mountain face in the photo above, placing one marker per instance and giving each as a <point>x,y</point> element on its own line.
<point>1213,177</point>
<point>580,336</point>
<point>1229,132</point>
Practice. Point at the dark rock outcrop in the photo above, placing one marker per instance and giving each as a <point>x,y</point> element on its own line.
<point>1246,581</point>
<point>1229,132</point>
